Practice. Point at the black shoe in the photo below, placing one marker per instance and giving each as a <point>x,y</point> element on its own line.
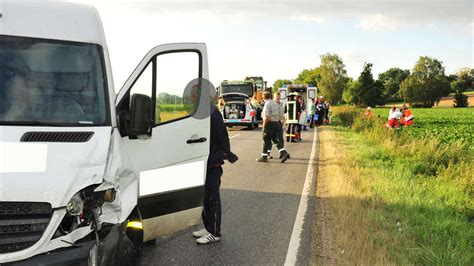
<point>262,160</point>
<point>285,157</point>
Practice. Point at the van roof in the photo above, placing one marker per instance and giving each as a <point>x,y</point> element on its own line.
<point>52,20</point>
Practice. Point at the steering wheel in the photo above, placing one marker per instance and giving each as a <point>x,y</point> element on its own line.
<point>63,105</point>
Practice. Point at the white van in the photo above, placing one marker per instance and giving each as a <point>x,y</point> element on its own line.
<point>87,175</point>
<point>307,92</point>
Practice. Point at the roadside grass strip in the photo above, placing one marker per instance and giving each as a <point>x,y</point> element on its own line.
<point>415,195</point>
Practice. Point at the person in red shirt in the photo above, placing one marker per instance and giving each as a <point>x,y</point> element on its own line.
<point>407,116</point>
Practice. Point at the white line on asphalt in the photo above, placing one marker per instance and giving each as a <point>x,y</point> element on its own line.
<point>291,255</point>
<point>235,136</point>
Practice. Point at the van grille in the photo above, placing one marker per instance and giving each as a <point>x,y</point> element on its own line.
<point>22,224</point>
<point>57,136</point>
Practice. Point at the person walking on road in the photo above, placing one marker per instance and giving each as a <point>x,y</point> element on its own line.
<point>278,140</point>
<point>219,150</point>
<point>271,128</point>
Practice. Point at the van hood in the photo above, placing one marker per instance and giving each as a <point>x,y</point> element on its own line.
<point>50,171</point>
<point>235,97</point>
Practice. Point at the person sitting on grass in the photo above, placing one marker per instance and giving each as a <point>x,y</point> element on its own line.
<point>407,116</point>
<point>393,118</point>
<point>368,113</point>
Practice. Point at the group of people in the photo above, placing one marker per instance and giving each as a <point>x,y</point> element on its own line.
<point>220,150</point>
<point>318,115</point>
<point>297,117</point>
<point>402,116</point>
<point>273,115</point>
<point>320,109</point>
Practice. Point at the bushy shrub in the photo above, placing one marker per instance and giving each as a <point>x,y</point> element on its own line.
<point>347,115</point>
<point>460,100</point>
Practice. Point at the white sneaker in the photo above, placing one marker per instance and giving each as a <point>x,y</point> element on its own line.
<point>208,239</point>
<point>200,233</point>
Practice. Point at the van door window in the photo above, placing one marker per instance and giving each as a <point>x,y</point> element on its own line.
<point>143,85</point>
<point>173,73</point>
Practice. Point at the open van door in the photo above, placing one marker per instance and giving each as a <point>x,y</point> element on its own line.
<point>170,153</point>
<point>283,94</point>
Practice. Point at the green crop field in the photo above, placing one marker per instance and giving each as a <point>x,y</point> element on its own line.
<point>420,176</point>
<point>448,124</point>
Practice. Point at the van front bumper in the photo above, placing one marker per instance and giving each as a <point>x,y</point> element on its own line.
<point>115,249</point>
<point>80,254</point>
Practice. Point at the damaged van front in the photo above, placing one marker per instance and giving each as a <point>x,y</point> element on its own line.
<point>86,176</point>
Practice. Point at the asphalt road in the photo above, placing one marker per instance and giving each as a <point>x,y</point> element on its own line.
<point>259,206</point>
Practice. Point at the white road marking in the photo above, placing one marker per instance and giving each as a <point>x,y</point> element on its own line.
<point>235,136</point>
<point>291,255</point>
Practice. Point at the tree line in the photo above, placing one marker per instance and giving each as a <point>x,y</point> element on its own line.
<point>423,86</point>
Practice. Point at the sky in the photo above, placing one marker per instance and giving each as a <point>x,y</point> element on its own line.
<point>278,39</point>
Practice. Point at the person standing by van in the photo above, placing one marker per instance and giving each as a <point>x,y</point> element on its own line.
<point>219,150</point>
<point>312,110</point>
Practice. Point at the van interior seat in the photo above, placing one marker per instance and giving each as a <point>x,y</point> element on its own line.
<point>71,82</point>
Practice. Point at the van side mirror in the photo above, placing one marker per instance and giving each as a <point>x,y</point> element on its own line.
<point>140,115</point>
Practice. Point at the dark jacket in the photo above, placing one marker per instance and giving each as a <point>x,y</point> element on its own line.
<point>219,139</point>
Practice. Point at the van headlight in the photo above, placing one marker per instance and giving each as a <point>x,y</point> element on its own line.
<point>75,206</point>
<point>84,209</point>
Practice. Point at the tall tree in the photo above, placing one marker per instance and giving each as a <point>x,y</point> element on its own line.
<point>426,84</point>
<point>279,83</point>
<point>367,92</point>
<point>332,78</point>
<point>391,80</point>
<point>308,76</point>
<point>349,95</point>
<point>464,80</point>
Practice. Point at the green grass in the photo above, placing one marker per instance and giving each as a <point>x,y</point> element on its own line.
<point>466,93</point>
<point>174,107</point>
<point>424,183</point>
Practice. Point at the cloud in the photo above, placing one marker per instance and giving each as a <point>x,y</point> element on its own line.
<point>365,14</point>
<point>378,22</point>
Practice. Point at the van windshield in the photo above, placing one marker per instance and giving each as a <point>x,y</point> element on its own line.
<point>51,82</point>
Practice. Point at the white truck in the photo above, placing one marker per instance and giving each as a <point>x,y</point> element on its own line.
<point>86,175</point>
